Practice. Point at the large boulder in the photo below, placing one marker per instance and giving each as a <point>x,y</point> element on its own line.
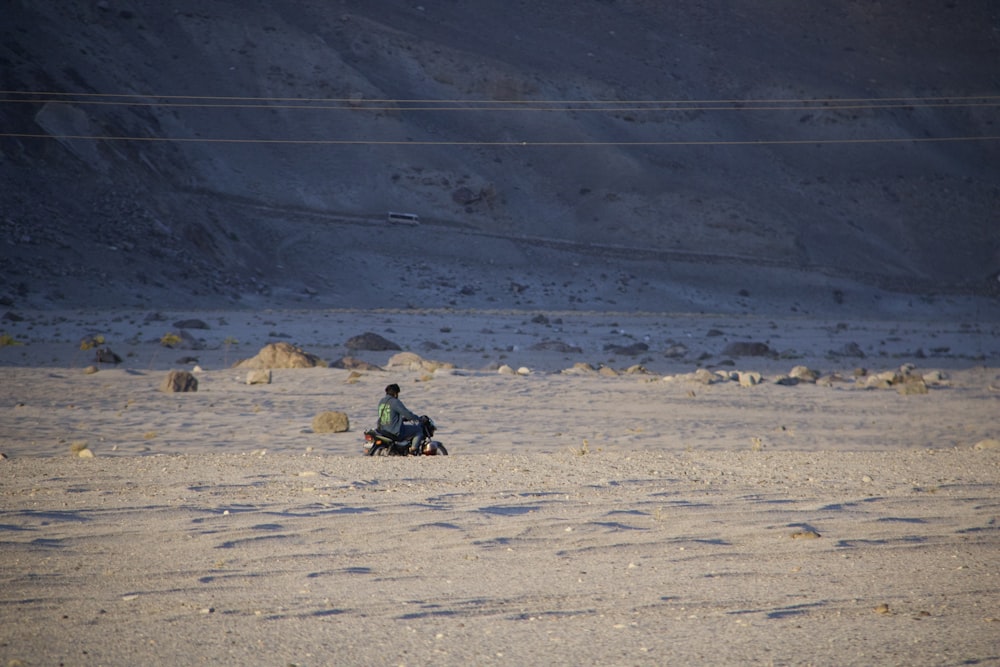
<point>627,350</point>
<point>331,422</point>
<point>414,362</point>
<point>556,346</point>
<point>748,349</point>
<point>191,324</point>
<point>353,364</point>
<point>804,374</point>
<point>280,355</point>
<point>371,342</point>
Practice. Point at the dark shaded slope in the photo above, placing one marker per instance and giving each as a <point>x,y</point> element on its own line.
<point>552,135</point>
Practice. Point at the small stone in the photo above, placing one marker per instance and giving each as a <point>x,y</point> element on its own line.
<point>805,535</point>
<point>85,453</point>
<point>882,608</point>
<point>989,443</point>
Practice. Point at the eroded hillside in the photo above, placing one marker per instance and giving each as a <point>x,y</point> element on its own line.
<point>221,149</point>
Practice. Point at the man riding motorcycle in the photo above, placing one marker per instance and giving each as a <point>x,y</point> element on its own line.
<point>391,416</point>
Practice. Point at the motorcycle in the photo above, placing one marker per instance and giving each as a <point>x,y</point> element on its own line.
<point>378,443</point>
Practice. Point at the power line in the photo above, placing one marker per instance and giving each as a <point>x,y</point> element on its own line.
<point>569,108</point>
<point>942,98</point>
<point>505,144</point>
<point>390,104</point>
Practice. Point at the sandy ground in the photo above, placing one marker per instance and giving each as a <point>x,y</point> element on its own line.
<point>637,518</point>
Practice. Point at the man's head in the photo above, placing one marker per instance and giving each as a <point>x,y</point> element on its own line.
<point>392,390</point>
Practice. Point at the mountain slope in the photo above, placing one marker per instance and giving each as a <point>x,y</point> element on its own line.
<point>245,147</point>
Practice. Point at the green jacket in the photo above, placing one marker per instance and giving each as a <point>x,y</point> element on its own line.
<point>391,413</point>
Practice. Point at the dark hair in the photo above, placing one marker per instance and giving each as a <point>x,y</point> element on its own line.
<point>392,389</point>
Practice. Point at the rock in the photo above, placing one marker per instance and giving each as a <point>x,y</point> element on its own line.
<point>805,535</point>
<point>786,381</point>
<point>259,376</point>
<point>505,370</point>
<point>749,378</point>
<point>913,385</point>
<point>935,377</point>
<point>465,196</point>
<point>883,380</point>
<point>747,349</point>
<point>181,341</point>
<point>524,370</point>
<point>627,350</point>
<point>371,342</point>
<point>85,453</point>
<point>873,382</point>
<point>280,355</point>
<point>556,346</point>
<point>331,422</point>
<point>179,381</point>
<point>353,364</point>
<point>989,443</point>
<point>104,355</point>
<point>607,371</point>
<point>90,370</point>
<point>414,362</point>
<point>804,374</point>
<point>580,368</point>
<point>675,351</point>
<point>191,324</point>
<point>703,376</point>
<point>849,350</point>
<point>405,360</point>
<point>636,369</point>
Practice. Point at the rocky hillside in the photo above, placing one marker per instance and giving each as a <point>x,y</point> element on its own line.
<point>556,152</point>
